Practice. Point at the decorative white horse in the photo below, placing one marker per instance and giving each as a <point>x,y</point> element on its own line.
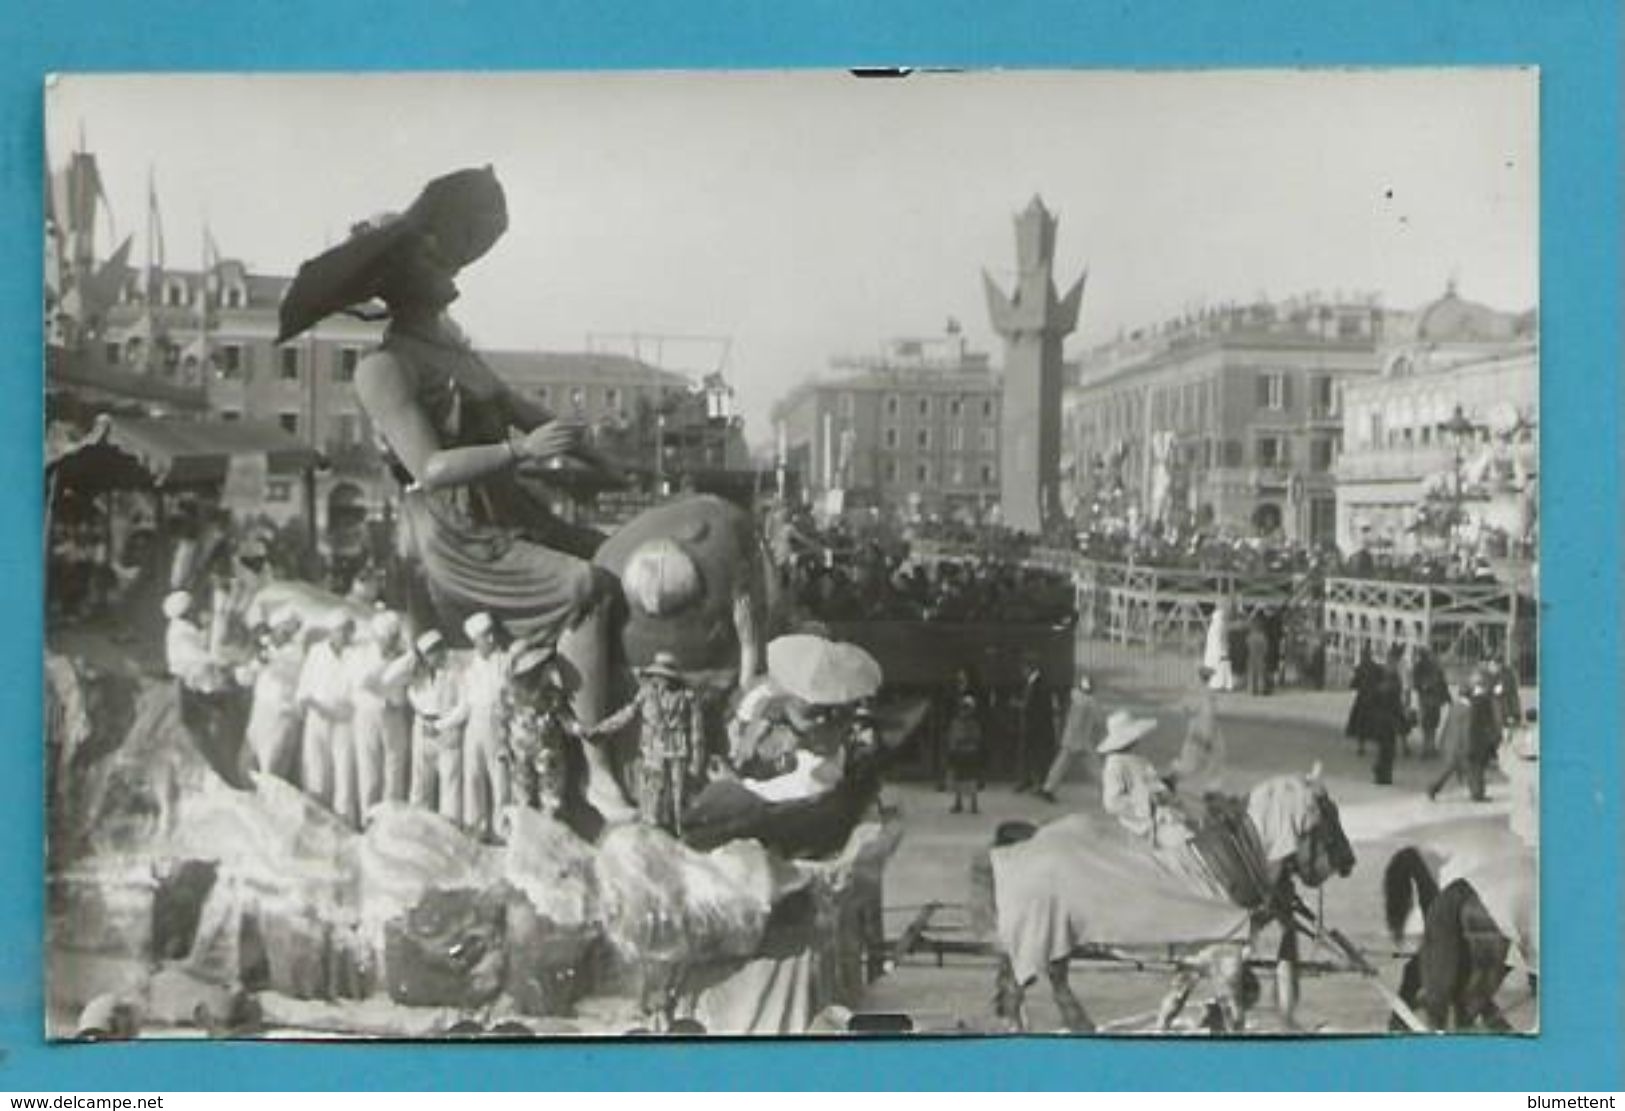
<point>1084,882</point>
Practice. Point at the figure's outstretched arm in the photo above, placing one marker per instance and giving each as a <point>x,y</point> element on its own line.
<point>381,386</point>
<point>617,721</point>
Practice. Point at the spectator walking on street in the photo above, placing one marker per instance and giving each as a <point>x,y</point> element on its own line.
<point>1085,726</point>
<point>1037,725</point>
<point>1387,720</point>
<point>1503,690</point>
<point>1258,658</point>
<point>1367,674</point>
<point>1199,768</point>
<point>1216,654</point>
<point>1472,735</point>
<point>1432,696</point>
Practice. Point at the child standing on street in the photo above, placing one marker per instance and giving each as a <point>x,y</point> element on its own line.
<point>964,754</point>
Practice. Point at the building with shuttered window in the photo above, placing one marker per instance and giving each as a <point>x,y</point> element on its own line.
<point>1245,401</point>
<point>913,428</point>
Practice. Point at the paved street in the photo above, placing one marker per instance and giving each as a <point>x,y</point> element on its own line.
<point>1266,736</point>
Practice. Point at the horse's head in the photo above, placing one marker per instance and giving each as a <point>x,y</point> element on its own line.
<point>1323,848</point>
<point>1298,822</point>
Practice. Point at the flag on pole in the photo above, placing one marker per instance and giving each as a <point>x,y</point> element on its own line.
<point>87,302</point>
<point>209,295</point>
<point>155,240</point>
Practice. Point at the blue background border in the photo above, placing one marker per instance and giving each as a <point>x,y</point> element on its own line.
<point>1577,45</point>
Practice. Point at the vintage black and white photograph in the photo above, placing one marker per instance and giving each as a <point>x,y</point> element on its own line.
<point>792,553</point>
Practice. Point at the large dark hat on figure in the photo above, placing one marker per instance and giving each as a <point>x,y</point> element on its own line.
<point>664,665</point>
<point>465,212</point>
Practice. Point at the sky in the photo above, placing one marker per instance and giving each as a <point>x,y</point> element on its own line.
<point>784,218</point>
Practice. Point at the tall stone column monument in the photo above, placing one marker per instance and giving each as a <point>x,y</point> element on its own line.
<point>1034,321</point>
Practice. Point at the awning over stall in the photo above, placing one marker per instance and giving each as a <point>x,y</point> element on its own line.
<point>142,452</point>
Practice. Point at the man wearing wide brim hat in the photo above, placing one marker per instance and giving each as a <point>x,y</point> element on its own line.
<point>672,751</point>
<point>1132,791</point>
<point>663,666</point>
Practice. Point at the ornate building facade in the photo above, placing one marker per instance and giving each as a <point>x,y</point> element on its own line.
<point>1443,442</point>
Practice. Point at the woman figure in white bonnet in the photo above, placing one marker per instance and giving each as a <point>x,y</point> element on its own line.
<point>273,720</point>
<point>439,713</point>
<point>1132,790</point>
<point>381,667</point>
<point>327,752</point>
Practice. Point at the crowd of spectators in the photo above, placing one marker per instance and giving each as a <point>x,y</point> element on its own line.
<point>1217,551</point>
<point>842,573</point>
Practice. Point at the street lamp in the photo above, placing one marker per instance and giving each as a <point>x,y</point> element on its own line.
<point>1458,428</point>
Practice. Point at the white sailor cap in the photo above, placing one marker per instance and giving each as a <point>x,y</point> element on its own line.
<point>176,604</point>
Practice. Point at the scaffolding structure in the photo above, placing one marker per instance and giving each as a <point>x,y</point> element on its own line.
<point>1164,607</point>
<point>1170,608</point>
<point>1462,623</point>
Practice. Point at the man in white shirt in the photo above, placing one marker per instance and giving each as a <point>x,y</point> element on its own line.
<point>485,686</point>
<point>186,648</point>
<point>380,669</point>
<point>438,716</point>
<point>274,719</point>
<point>327,755</point>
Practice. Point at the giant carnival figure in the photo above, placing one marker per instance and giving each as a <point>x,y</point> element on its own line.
<point>473,454</point>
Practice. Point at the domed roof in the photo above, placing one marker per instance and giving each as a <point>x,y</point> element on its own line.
<point>1453,319</point>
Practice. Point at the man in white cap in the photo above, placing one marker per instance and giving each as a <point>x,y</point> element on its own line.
<point>273,719</point>
<point>485,692</point>
<point>380,668</point>
<point>327,754</point>
<point>1084,725</point>
<point>1131,789</point>
<point>438,716</point>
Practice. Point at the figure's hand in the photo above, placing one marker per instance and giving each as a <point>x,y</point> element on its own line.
<point>556,437</point>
